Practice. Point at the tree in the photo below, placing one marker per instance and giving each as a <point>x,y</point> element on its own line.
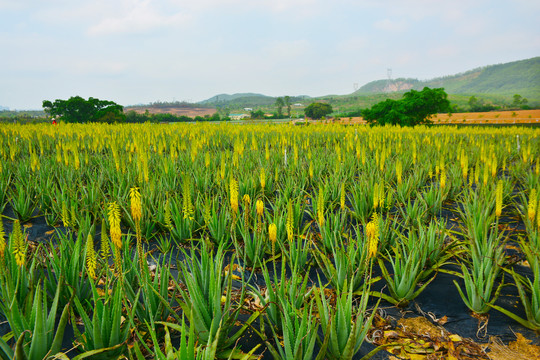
<point>287,101</point>
<point>478,105</point>
<point>519,101</point>
<point>317,110</point>
<point>415,108</point>
<point>474,103</point>
<point>77,109</point>
<point>259,114</point>
<point>279,104</point>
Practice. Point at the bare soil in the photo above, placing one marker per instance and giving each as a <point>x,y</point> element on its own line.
<point>492,117</point>
<point>178,111</point>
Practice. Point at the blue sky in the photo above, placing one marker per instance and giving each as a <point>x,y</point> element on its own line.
<point>140,51</point>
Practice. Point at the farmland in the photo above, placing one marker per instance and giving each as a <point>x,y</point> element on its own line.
<point>282,241</point>
<point>475,118</point>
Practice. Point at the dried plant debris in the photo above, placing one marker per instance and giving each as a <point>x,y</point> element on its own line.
<point>520,349</point>
<point>418,338</point>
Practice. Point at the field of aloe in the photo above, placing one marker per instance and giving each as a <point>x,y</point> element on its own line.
<point>200,241</point>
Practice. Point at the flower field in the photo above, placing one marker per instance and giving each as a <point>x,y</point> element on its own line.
<point>203,241</point>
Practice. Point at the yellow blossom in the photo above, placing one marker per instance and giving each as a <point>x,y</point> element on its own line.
<point>272,232</point>
<point>114,222</point>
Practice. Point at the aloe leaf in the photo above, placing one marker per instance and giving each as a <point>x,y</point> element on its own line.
<point>525,323</point>
<point>38,347</point>
<point>240,331</point>
<point>463,297</point>
<point>6,353</point>
<point>59,336</point>
<point>96,352</point>
<point>19,347</point>
<point>239,354</point>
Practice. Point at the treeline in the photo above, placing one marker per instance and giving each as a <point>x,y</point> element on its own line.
<point>177,104</point>
<point>21,118</point>
<point>134,117</point>
<point>130,117</point>
<point>462,104</point>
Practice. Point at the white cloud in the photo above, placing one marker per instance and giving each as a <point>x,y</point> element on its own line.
<point>287,49</point>
<point>144,50</point>
<point>135,17</point>
<point>444,51</point>
<point>239,5</point>
<point>391,25</point>
<point>98,67</point>
<point>353,44</point>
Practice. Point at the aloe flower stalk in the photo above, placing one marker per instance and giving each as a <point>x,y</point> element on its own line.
<point>91,261</point>
<point>531,209</point>
<point>499,198</point>
<point>19,245</point>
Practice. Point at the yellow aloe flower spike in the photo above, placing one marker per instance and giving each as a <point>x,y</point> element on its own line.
<point>19,245</point>
<point>91,262</point>
<point>499,198</point>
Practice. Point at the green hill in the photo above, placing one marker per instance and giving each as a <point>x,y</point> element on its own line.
<point>242,100</point>
<point>240,97</point>
<point>517,77</point>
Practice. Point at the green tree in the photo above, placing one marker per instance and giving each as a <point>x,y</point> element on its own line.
<point>259,114</point>
<point>77,109</point>
<point>474,103</point>
<point>279,104</point>
<point>317,110</point>
<point>519,101</point>
<point>415,108</point>
<point>287,100</point>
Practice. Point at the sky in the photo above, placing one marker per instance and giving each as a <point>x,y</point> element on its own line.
<point>142,51</point>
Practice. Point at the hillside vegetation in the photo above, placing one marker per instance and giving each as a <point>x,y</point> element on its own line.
<point>518,77</point>
<point>493,85</point>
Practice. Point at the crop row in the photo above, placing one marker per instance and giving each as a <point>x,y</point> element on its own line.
<point>214,205</point>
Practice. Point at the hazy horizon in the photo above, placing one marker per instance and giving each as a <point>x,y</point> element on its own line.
<point>141,51</point>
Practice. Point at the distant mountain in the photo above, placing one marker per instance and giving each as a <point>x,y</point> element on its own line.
<point>225,98</point>
<point>246,100</point>
<point>4,108</point>
<point>517,77</point>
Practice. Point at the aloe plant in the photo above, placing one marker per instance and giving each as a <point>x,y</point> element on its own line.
<point>152,299</point>
<point>36,324</point>
<point>106,331</point>
<point>18,282</point>
<point>481,278</point>
<point>188,349</point>
<point>299,334</point>
<point>293,288</point>
<point>5,181</point>
<point>408,271</point>
<point>298,252</point>
<point>332,230</point>
<point>23,200</point>
<point>208,293</point>
<point>414,213</point>
<point>344,327</point>
<point>218,225</point>
<point>183,226</point>
<point>254,246</point>
<point>433,198</point>
<point>349,262</point>
<point>531,304</point>
<point>67,266</point>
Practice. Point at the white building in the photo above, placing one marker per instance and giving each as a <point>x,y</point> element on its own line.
<point>238,116</point>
